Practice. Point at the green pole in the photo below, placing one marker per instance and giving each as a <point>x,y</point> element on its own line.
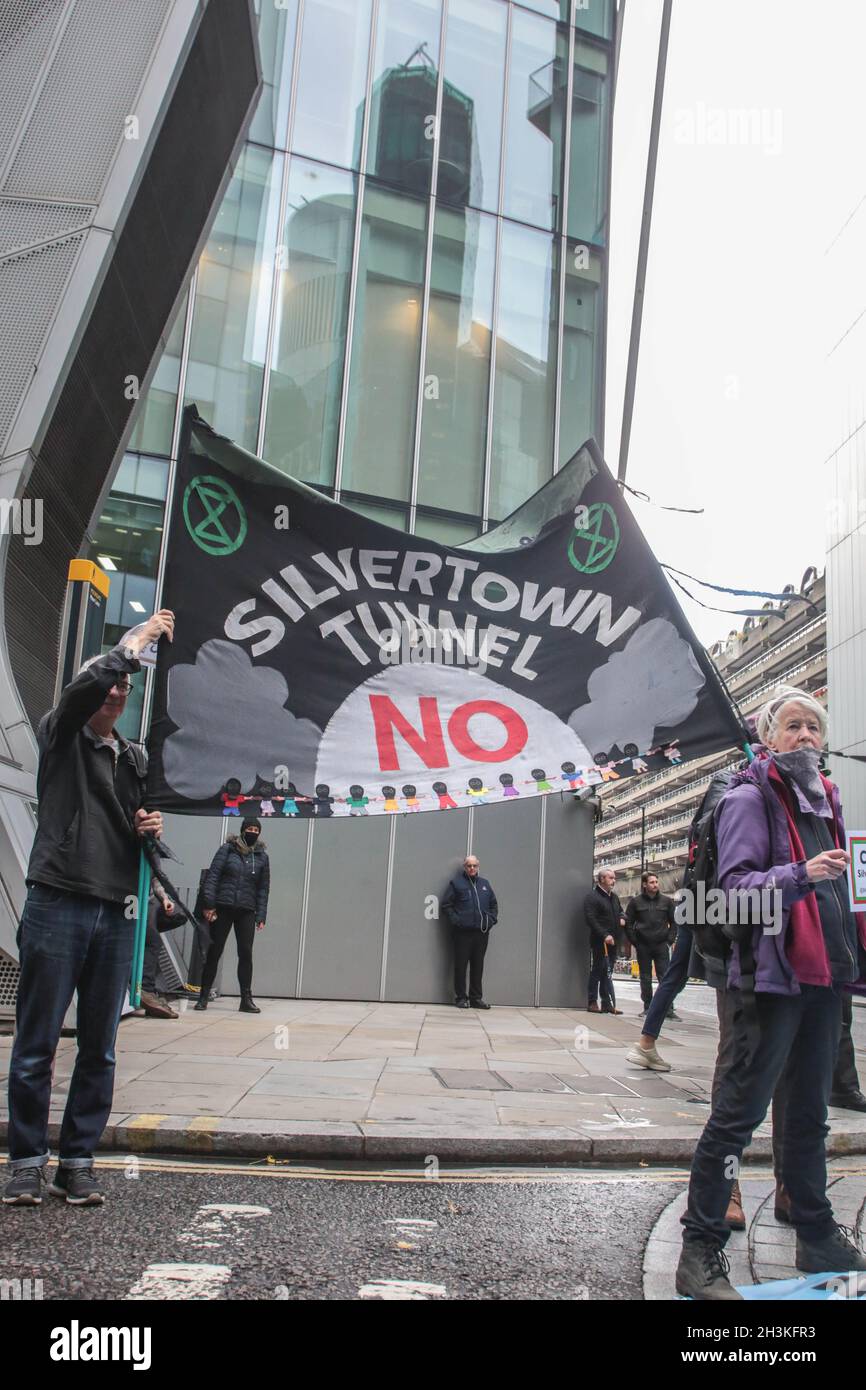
<point>140,931</point>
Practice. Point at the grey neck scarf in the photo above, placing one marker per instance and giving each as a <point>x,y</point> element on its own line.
<point>800,766</point>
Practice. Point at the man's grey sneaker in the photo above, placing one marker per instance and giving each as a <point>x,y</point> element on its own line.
<point>24,1188</point>
<point>672,1017</point>
<point>647,1057</point>
<point>463,1004</point>
<point>703,1271</point>
<point>78,1186</point>
<point>836,1251</point>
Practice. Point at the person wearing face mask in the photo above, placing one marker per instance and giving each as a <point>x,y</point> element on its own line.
<point>236,895</point>
<point>780,829</point>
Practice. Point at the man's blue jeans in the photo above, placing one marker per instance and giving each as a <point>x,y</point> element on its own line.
<point>670,984</point>
<point>66,943</point>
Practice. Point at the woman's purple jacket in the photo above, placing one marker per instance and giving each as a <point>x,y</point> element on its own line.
<point>754,852</point>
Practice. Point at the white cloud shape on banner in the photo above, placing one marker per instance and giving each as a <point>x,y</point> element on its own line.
<point>652,683</point>
<point>232,722</point>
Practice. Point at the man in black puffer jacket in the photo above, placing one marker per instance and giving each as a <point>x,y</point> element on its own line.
<point>236,895</point>
<point>652,930</point>
<point>470,906</point>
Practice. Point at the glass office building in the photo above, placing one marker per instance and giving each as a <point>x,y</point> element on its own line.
<point>402,301</point>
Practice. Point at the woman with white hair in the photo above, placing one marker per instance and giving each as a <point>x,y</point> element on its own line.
<point>779,830</point>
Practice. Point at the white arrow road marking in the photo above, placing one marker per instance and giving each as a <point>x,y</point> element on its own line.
<point>180,1281</point>
<point>216,1221</point>
<point>401,1289</point>
<point>213,1225</point>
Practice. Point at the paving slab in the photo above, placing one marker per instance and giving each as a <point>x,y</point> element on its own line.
<point>371,1079</point>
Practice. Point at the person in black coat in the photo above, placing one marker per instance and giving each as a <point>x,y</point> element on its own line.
<point>604,920</point>
<point>470,906</point>
<point>236,895</point>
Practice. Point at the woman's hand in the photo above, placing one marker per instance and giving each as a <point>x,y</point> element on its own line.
<point>260,926</point>
<point>831,863</point>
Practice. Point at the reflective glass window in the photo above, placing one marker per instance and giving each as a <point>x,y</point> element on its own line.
<point>552,8</point>
<point>277,25</point>
<point>581,351</point>
<point>383,382</point>
<point>388,516</point>
<point>310,332</point>
<point>155,422</point>
<point>232,302</point>
<point>403,98</point>
<point>524,390</point>
<point>332,76</point>
<point>592,16</point>
<point>445,529</point>
<point>471,128</point>
<point>457,365</point>
<point>535,127</point>
<point>587,189</point>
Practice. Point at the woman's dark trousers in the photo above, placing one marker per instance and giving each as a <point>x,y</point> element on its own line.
<point>244,923</point>
<point>803,1032</point>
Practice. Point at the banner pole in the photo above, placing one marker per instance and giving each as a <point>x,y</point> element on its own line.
<point>140,930</point>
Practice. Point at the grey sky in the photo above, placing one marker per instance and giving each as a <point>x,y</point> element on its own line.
<point>740,315</point>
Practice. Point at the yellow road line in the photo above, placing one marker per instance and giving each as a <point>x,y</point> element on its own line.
<point>564,1179</point>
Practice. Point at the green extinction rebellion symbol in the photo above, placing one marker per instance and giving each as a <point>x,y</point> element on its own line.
<point>595,539</point>
<point>214,517</point>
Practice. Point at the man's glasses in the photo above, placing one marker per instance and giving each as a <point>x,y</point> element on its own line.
<point>122,687</point>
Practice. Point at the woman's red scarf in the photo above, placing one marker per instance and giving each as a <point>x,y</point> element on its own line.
<point>805,948</point>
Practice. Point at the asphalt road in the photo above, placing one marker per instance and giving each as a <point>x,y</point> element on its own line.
<point>190,1230</point>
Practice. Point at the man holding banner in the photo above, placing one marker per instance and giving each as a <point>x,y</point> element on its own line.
<point>76,931</point>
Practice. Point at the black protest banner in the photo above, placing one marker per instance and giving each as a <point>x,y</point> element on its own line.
<point>325,664</point>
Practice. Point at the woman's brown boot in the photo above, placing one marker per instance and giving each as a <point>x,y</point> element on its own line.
<point>735,1216</point>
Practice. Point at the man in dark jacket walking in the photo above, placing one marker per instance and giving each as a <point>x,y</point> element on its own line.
<point>470,906</point>
<point>236,895</point>
<point>651,928</point>
<point>602,913</point>
<point>77,928</point>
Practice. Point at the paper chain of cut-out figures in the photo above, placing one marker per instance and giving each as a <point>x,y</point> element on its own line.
<point>288,801</point>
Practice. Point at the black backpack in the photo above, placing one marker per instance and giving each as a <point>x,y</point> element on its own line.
<point>714,941</point>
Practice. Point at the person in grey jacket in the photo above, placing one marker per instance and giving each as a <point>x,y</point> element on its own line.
<point>470,906</point>
<point>236,895</point>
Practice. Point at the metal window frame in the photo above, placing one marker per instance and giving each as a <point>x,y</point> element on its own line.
<point>356,254</point>
<point>280,232</point>
<point>170,483</point>
<point>428,265</point>
<point>497,266</point>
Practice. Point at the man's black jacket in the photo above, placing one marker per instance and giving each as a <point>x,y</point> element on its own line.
<point>470,902</point>
<point>602,912</point>
<point>86,841</point>
<point>650,921</point>
<point>240,878</point>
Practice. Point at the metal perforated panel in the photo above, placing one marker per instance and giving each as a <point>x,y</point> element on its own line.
<point>26,30</point>
<point>26,223</point>
<point>9,973</point>
<point>30,286</point>
<point>89,92</point>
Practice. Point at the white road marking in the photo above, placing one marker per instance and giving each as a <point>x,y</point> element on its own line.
<point>180,1281</point>
<point>213,1225</point>
<point>401,1290</point>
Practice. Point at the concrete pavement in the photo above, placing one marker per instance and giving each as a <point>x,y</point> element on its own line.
<point>425,1082</point>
